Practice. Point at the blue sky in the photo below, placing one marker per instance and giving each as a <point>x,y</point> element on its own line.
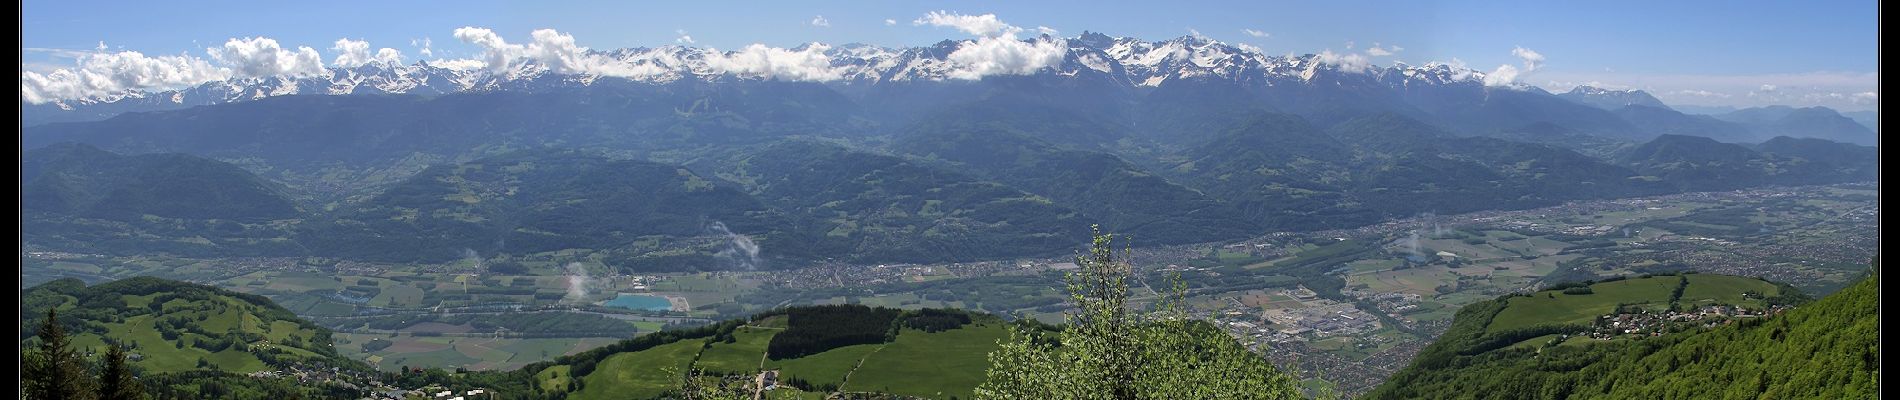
<point>1688,52</point>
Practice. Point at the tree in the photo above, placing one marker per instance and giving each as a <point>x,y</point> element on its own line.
<point>1105,351</point>
<point>115,381</point>
<point>53,371</point>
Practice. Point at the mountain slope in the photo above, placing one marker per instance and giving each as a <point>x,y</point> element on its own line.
<point>1102,186</point>
<point>1808,122</point>
<point>80,180</point>
<point>175,326</point>
<point>542,200</point>
<point>1697,163</point>
<point>1825,349</point>
<point>1611,99</point>
<point>874,207</point>
<point>78,198</point>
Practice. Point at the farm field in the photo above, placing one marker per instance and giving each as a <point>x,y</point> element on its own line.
<point>473,353</point>
<point>937,365</point>
<point>1558,308</point>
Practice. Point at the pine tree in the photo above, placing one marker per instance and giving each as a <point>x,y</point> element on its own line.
<point>53,371</point>
<point>116,381</point>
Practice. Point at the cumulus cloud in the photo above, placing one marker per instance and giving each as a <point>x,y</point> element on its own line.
<point>1255,33</point>
<point>1004,56</point>
<point>683,38</point>
<point>263,57</point>
<point>758,60</point>
<point>560,54</point>
<point>996,50</point>
<point>1503,76</point>
<point>1047,31</point>
<point>890,22</point>
<point>355,53</point>
<point>1532,60</point>
<point>547,47</point>
<point>1351,62</point>
<point>820,22</point>
<point>1377,51</point>
<point>1506,75</point>
<point>104,73</point>
<point>986,25</point>
<point>424,45</point>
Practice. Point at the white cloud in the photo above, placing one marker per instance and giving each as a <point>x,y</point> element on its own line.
<point>61,53</point>
<point>460,64</point>
<point>996,51</point>
<point>1047,31</point>
<point>890,22</point>
<point>550,48</point>
<point>1195,33</point>
<point>1377,51</point>
<point>1004,56</point>
<point>424,44</point>
<point>1248,48</point>
<point>683,38</point>
<point>102,73</point>
<point>986,25</point>
<point>758,60</point>
<point>1768,88</point>
<point>1503,76</point>
<point>1506,75</point>
<point>1697,93</point>
<point>1350,62</point>
<point>1532,60</point>
<point>355,53</point>
<point>1869,96</point>
<point>1255,33</point>
<point>263,57</point>
<point>820,22</point>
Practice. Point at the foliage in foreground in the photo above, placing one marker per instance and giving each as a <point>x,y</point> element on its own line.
<point>1107,352</point>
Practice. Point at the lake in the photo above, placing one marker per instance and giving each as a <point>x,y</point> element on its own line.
<point>640,302</point>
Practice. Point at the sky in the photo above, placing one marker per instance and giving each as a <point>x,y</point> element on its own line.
<point>1719,53</point>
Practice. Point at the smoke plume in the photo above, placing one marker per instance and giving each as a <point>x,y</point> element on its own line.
<point>739,248</point>
<point>577,281</point>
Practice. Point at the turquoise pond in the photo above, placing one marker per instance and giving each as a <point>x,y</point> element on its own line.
<point>640,302</point>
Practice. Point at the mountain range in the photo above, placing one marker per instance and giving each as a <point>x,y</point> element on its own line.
<point>1187,140</point>
<point>1116,76</point>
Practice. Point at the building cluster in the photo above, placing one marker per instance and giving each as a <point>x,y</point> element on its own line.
<point>1645,323</point>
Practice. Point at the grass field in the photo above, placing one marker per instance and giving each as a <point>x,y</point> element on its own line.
<point>1552,307</point>
<point>1558,308</point>
<point>743,355</point>
<point>827,368</point>
<point>160,355</point>
<point>1725,289</point>
<point>936,365</point>
<point>475,353</point>
<point>639,375</point>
